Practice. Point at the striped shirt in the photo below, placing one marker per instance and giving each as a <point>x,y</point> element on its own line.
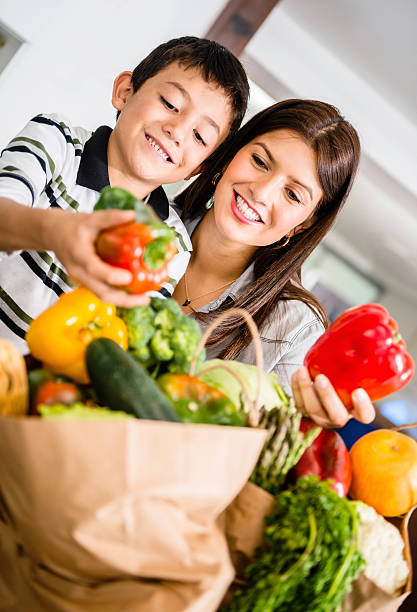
<point>51,163</point>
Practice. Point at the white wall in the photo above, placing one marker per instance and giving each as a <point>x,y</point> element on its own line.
<point>75,48</point>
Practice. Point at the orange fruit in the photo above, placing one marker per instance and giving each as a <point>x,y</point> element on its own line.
<point>384,471</point>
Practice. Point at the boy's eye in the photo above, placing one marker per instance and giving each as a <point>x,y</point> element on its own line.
<point>168,104</point>
<point>259,162</point>
<point>199,138</point>
<point>293,196</point>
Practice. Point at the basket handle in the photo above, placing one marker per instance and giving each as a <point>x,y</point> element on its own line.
<point>405,426</point>
<point>253,404</point>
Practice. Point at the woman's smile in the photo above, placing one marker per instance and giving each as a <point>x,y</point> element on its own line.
<point>243,211</point>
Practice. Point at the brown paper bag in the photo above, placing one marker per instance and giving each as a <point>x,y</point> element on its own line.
<point>117,515</point>
<point>243,522</point>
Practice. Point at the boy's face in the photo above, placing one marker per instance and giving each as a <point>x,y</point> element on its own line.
<point>168,127</point>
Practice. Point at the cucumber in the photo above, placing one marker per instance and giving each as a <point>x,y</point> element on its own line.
<point>121,383</point>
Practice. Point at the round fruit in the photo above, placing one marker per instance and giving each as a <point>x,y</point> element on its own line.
<point>51,392</point>
<point>384,471</point>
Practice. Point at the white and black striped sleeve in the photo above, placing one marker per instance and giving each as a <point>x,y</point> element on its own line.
<point>32,159</point>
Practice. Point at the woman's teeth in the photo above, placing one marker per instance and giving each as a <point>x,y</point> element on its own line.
<point>246,211</point>
<point>157,148</point>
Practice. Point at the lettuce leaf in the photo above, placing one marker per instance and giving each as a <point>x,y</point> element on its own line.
<point>272,393</point>
<point>80,411</point>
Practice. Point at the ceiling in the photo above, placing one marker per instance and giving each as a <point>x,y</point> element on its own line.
<point>377,38</point>
<point>362,57</point>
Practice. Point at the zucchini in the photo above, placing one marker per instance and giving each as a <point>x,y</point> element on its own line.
<point>121,383</point>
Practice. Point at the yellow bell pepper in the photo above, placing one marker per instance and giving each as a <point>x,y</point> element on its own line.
<point>59,336</point>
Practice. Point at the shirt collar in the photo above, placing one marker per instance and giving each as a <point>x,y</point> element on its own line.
<point>93,172</point>
<point>235,289</point>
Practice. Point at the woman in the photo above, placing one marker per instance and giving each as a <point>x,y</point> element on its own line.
<point>254,216</point>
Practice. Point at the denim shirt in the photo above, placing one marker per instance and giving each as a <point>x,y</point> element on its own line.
<point>289,331</point>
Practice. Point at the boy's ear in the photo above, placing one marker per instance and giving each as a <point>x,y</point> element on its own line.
<point>122,89</point>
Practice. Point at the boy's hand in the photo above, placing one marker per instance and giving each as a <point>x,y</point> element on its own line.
<point>319,401</point>
<point>72,238</point>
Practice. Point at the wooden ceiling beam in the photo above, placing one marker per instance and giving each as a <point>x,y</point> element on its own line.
<point>238,22</point>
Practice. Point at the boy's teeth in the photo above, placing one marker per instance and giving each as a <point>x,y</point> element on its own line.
<point>157,148</point>
<point>246,211</point>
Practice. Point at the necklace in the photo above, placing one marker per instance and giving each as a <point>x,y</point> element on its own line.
<point>188,301</point>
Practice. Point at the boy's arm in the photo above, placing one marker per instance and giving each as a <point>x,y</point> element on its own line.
<point>72,237</point>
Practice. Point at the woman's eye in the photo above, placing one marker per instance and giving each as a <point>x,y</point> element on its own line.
<point>293,196</point>
<point>258,161</point>
<point>167,104</point>
<point>199,138</point>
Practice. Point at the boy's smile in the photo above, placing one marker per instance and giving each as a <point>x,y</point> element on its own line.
<point>166,129</point>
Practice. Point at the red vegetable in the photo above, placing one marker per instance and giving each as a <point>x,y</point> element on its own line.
<point>143,249</point>
<point>327,457</point>
<point>55,392</point>
<point>362,348</point>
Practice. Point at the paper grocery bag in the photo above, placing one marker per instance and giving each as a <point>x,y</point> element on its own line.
<point>117,515</point>
<point>244,525</point>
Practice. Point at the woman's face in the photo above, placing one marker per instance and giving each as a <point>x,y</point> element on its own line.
<point>269,189</point>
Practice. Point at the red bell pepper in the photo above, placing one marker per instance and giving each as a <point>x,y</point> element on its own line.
<point>327,457</point>
<point>144,247</point>
<point>362,348</point>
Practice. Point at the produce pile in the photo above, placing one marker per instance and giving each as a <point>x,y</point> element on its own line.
<point>310,553</point>
<point>148,362</point>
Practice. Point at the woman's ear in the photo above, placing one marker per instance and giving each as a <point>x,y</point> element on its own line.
<point>122,90</point>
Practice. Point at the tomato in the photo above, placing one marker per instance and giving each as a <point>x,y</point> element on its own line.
<point>55,392</point>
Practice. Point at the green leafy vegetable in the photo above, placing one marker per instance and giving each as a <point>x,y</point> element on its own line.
<point>80,411</point>
<point>310,553</point>
<point>116,197</point>
<point>272,394</point>
<point>156,250</point>
<point>161,337</point>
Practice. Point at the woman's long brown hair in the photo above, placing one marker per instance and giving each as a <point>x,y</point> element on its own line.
<point>277,271</point>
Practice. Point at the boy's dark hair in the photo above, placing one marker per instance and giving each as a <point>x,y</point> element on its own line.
<point>217,64</point>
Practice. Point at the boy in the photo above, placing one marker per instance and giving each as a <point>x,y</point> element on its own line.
<point>174,110</point>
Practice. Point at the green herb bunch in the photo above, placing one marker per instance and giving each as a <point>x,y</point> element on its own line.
<point>310,553</point>
<point>283,447</point>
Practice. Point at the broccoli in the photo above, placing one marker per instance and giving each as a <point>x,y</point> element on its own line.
<point>140,325</point>
<point>184,340</point>
<point>160,345</point>
<point>161,337</point>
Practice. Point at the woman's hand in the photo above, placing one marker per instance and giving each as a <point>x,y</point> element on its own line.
<point>319,401</point>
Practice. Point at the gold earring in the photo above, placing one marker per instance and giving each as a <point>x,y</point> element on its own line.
<point>283,244</point>
<point>216,178</point>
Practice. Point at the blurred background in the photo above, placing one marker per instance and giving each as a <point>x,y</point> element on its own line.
<point>62,56</point>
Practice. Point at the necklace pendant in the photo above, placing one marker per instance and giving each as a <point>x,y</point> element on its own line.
<point>187,302</point>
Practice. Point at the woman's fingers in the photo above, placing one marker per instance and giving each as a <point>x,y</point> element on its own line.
<point>336,411</point>
<point>296,393</point>
<point>320,402</point>
<point>306,398</point>
<point>363,409</point>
